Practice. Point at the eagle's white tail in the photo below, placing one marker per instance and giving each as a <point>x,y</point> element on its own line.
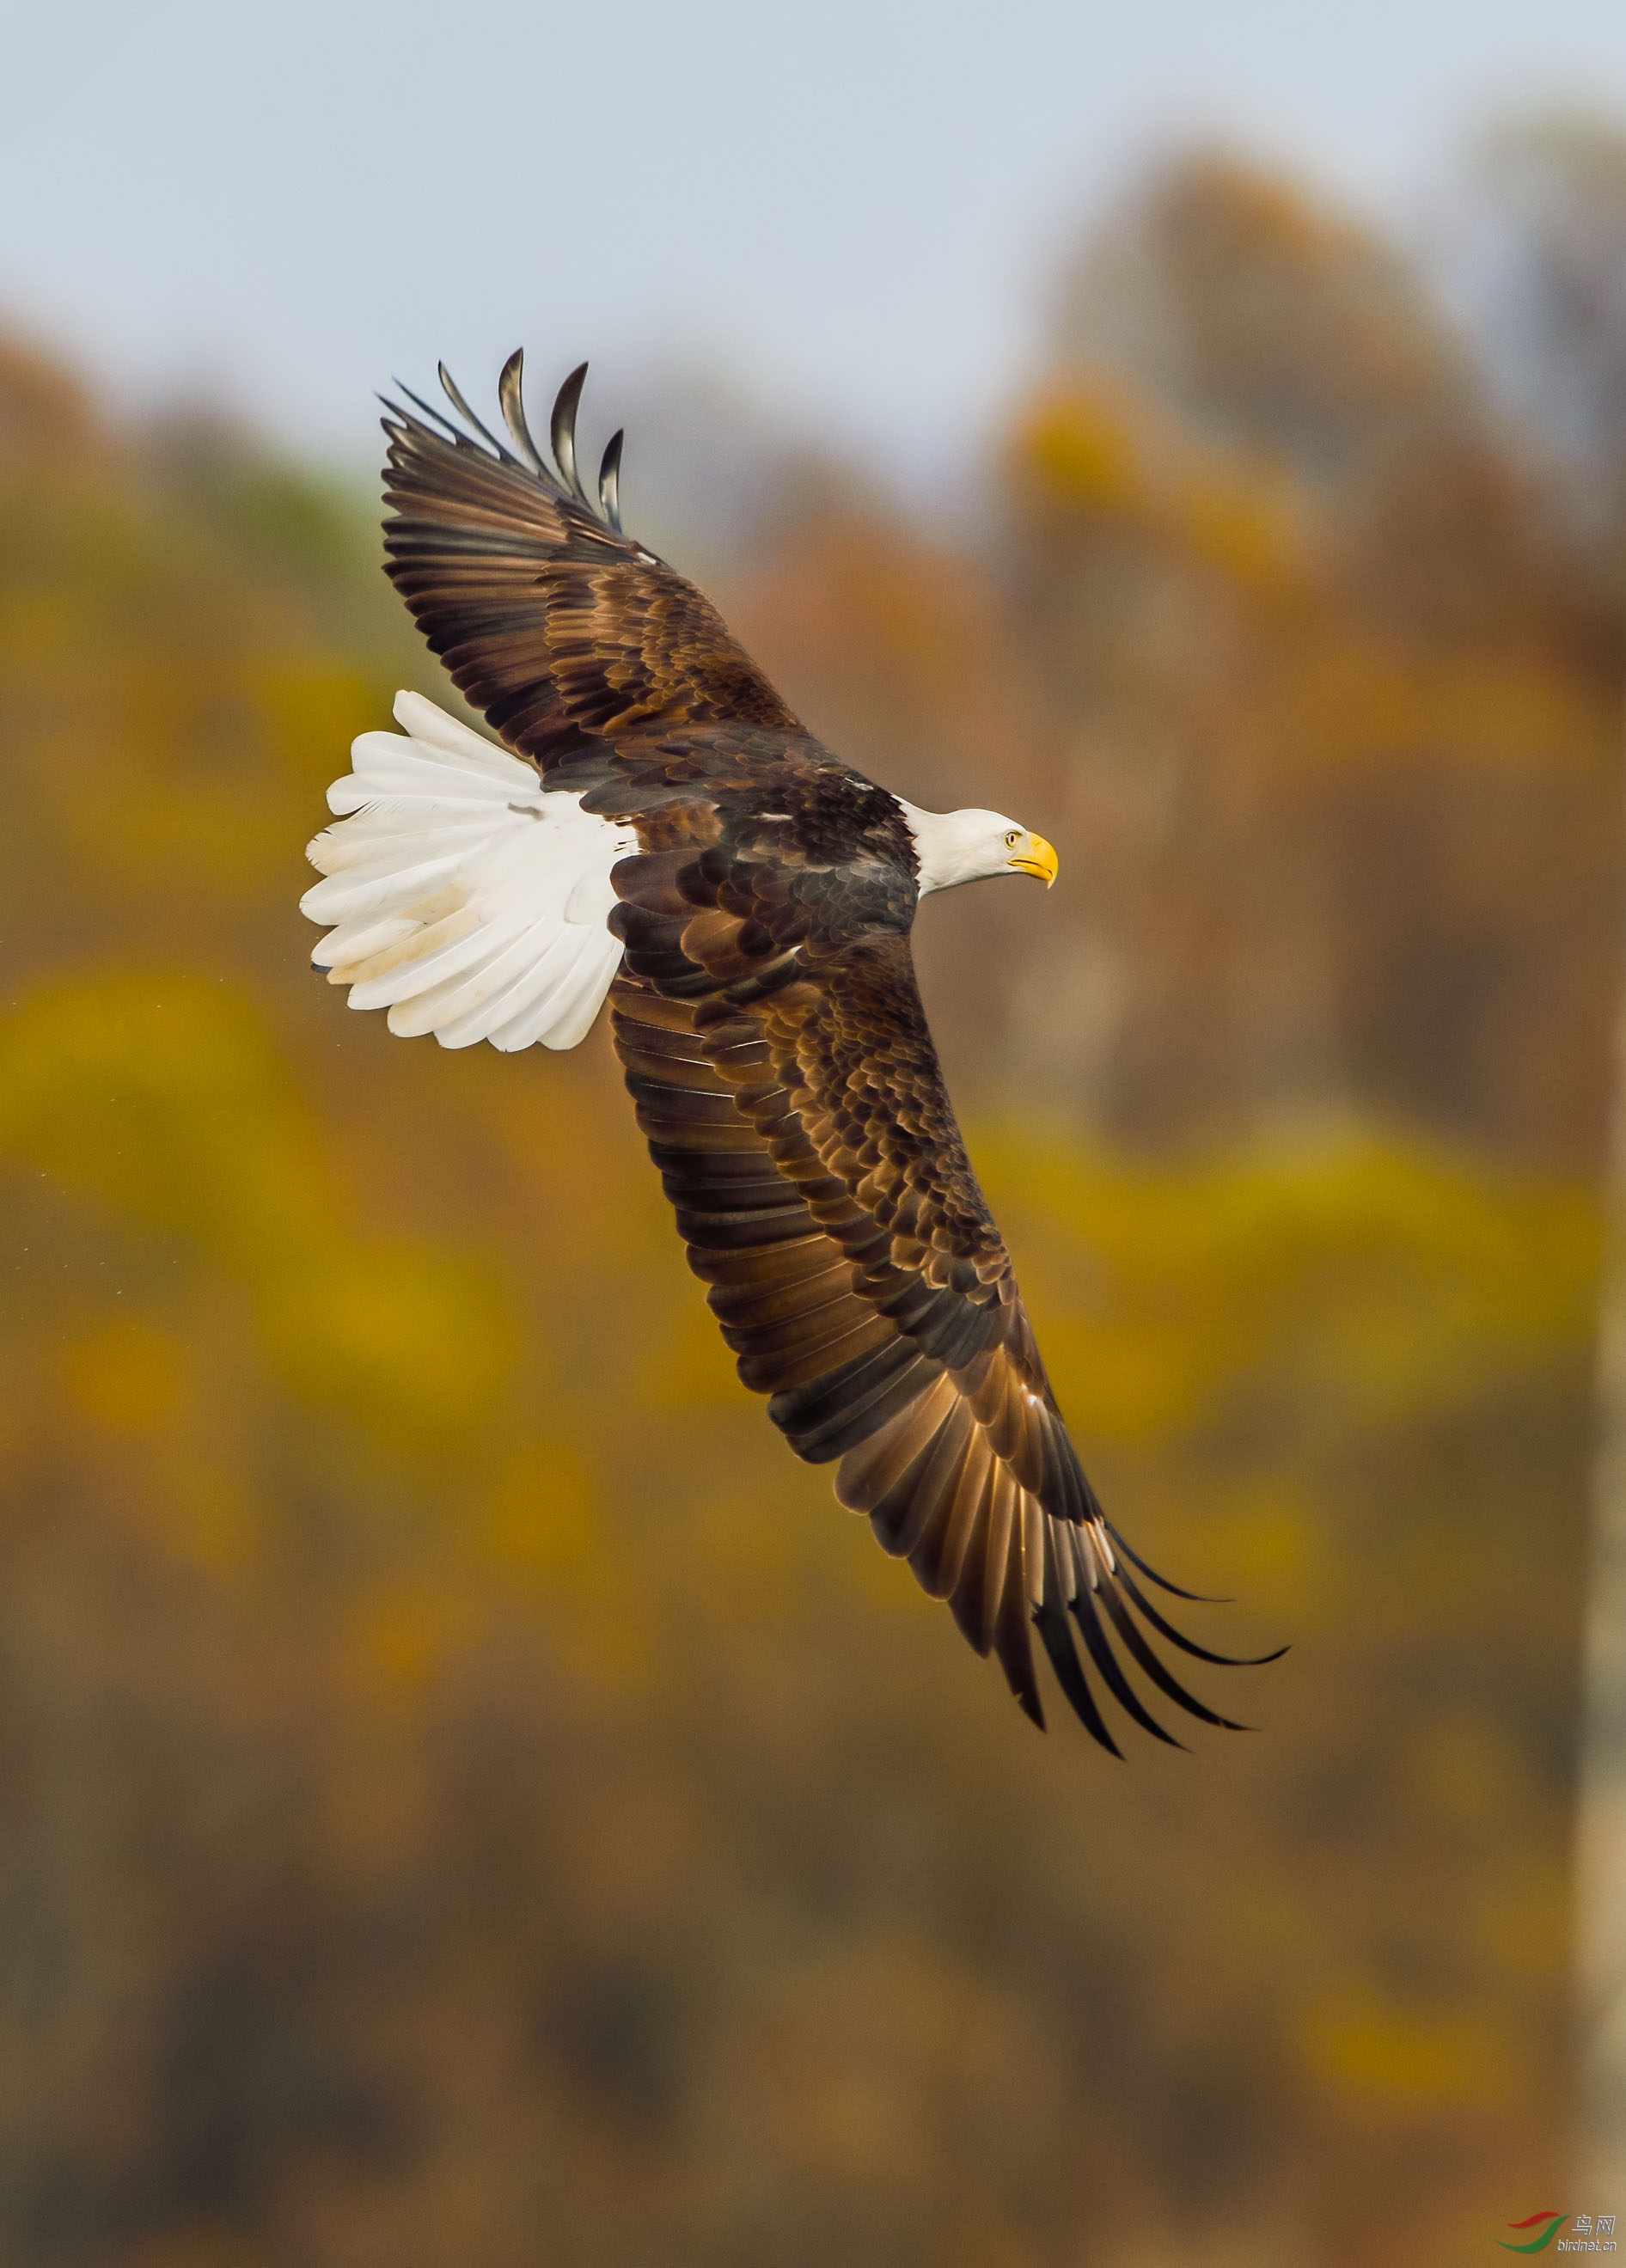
<point>461,897</point>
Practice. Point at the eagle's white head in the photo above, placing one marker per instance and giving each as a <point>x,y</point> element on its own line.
<point>972,846</point>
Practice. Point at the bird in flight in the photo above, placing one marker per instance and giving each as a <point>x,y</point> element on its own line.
<point>654,827</point>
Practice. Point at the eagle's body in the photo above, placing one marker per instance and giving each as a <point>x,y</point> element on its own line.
<point>658,827</point>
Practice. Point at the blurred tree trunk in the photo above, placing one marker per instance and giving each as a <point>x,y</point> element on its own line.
<point>1545,271</point>
<point>1601,1858</point>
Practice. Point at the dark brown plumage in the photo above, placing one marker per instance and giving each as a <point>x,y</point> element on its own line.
<point>768,1019</point>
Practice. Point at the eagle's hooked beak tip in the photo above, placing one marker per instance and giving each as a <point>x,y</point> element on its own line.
<point>1039,858</point>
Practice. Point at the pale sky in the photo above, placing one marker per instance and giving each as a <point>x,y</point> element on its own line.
<point>850,209</point>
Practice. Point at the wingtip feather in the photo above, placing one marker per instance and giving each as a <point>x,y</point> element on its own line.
<point>609,480</point>
<point>562,429</point>
<point>511,396</point>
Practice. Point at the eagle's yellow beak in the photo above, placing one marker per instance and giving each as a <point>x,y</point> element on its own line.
<point>1036,856</point>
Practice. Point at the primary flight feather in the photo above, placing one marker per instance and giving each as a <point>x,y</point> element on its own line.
<point>659,829</point>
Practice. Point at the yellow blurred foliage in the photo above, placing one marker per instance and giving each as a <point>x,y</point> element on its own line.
<point>1397,1280</point>
<point>161,1096</point>
<point>1389,2062</point>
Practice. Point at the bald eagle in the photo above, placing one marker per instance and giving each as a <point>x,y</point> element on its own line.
<point>652,825</point>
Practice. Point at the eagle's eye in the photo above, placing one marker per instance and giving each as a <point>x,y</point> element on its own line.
<point>1013,836</point>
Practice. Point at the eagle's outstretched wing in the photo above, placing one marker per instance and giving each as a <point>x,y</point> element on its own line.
<point>772,1038</point>
<point>787,1084</point>
<point>549,621</point>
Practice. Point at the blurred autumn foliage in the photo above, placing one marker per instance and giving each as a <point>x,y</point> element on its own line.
<point>469,1798</point>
